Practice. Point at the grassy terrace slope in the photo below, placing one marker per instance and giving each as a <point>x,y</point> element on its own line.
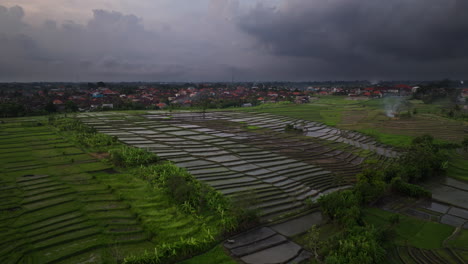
<point>61,205</point>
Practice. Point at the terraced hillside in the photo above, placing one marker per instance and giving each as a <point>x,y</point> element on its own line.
<point>61,205</point>
<point>280,170</point>
<point>53,209</point>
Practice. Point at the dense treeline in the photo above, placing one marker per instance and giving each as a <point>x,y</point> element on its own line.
<point>430,92</point>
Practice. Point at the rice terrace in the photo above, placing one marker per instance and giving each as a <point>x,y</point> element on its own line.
<point>233,132</point>
<point>275,183</point>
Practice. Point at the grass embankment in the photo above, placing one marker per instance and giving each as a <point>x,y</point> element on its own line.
<point>417,239</point>
<point>217,255</point>
<point>81,209</point>
<point>458,165</point>
<point>410,231</point>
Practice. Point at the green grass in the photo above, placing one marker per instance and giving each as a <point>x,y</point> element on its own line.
<point>388,139</point>
<point>217,255</point>
<point>411,231</point>
<point>461,240</point>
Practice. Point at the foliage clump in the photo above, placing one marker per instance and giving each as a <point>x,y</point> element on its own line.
<point>357,242</point>
<point>126,156</point>
<point>342,207</point>
<point>423,159</point>
<point>409,189</point>
<point>357,245</point>
<point>83,134</point>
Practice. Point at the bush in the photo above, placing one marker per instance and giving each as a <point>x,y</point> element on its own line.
<point>358,245</point>
<point>83,134</point>
<point>342,207</point>
<point>370,186</point>
<point>422,160</point>
<point>130,157</point>
<point>246,209</point>
<point>409,189</point>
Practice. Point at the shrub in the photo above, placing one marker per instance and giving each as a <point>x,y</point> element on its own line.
<point>409,189</point>
<point>246,210</point>
<point>423,159</point>
<point>342,207</point>
<point>83,134</point>
<point>130,157</point>
<point>357,245</point>
<point>370,186</point>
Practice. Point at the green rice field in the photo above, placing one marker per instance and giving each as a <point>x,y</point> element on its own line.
<point>61,205</point>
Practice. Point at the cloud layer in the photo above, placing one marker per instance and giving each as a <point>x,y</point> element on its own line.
<point>395,38</point>
<point>215,39</point>
<point>116,46</point>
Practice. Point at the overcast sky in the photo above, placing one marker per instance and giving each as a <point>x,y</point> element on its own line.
<point>215,40</point>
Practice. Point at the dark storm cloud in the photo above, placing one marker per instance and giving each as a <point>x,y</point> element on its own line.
<point>218,39</point>
<point>110,45</point>
<point>366,33</point>
<point>69,50</point>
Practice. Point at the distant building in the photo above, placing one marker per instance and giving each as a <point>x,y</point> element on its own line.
<point>161,105</point>
<point>109,106</point>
